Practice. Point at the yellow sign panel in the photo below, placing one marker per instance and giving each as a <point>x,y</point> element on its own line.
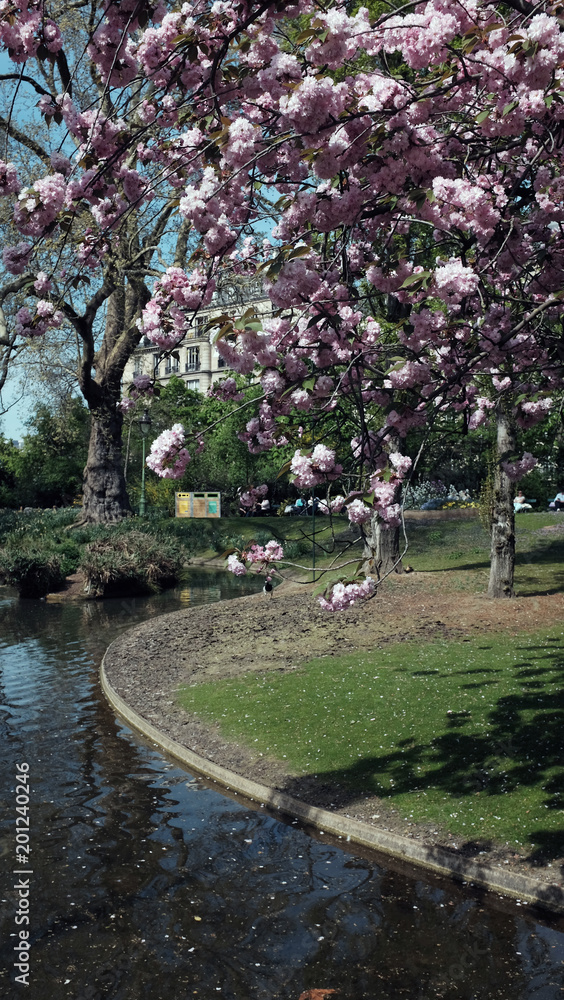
<point>198,504</point>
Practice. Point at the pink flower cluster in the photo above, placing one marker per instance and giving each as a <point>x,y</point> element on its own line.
<point>225,389</point>
<point>253,495</point>
<point>165,318</point>
<point>259,556</point>
<point>46,317</point>
<point>37,207</point>
<point>358,512</point>
<point>516,470</point>
<point>9,183</point>
<point>235,566</point>
<point>17,258</point>
<point>168,456</point>
<point>531,412</point>
<point>141,388</point>
<point>271,552</point>
<point>343,595</point>
<point>317,467</point>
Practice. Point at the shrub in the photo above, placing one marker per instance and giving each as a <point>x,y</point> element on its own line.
<point>34,559</point>
<point>428,489</point>
<point>130,563</point>
<point>31,570</point>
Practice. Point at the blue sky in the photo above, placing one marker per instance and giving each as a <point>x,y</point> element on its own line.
<point>12,423</point>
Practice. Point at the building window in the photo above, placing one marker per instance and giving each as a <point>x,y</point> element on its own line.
<point>193,384</point>
<point>193,359</point>
<point>138,364</point>
<point>220,362</point>
<point>172,364</point>
<point>156,365</point>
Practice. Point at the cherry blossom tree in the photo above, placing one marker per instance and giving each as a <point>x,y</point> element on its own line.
<point>412,161</point>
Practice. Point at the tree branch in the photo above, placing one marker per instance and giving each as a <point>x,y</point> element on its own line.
<point>25,140</point>
<point>26,79</point>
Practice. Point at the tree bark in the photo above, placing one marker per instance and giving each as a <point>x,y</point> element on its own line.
<point>382,547</point>
<point>502,566</point>
<point>105,495</point>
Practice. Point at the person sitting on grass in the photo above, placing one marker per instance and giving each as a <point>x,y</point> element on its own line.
<point>520,502</point>
<point>558,502</point>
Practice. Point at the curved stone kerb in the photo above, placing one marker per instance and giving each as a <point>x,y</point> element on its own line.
<point>437,859</point>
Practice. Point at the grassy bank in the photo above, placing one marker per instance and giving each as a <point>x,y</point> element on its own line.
<point>459,549</point>
<point>465,735</point>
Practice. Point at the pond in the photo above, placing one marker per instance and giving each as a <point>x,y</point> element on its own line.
<point>145,882</point>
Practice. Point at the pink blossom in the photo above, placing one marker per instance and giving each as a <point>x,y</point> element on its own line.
<point>358,512</point>
<point>271,552</point>
<point>46,317</point>
<point>16,258</point>
<point>165,319</point>
<point>42,283</point>
<point>516,470</point>
<point>345,595</point>
<point>319,467</point>
<point>531,412</point>
<point>401,463</point>
<point>9,183</point>
<point>234,565</point>
<point>168,458</point>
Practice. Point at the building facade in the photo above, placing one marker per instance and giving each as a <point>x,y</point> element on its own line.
<point>196,359</point>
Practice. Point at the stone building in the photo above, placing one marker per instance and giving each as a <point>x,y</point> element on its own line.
<point>196,359</point>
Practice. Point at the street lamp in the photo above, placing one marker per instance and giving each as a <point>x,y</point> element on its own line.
<point>145,423</point>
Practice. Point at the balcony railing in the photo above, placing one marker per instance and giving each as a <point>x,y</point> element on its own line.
<point>192,366</point>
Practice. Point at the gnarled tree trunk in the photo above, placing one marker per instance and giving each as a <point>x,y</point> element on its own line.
<point>502,567</point>
<point>105,496</point>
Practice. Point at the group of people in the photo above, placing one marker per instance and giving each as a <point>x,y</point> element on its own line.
<point>304,507</point>
<point>261,508</point>
<point>521,503</point>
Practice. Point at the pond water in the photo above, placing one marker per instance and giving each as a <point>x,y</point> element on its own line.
<point>146,882</point>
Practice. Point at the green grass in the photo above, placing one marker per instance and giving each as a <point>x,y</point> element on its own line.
<point>461,550</point>
<point>465,735</point>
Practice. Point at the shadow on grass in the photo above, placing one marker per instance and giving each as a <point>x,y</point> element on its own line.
<point>522,750</point>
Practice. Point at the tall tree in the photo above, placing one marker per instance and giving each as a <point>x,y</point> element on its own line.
<point>417,161</point>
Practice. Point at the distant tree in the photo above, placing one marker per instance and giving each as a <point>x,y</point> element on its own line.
<point>47,470</point>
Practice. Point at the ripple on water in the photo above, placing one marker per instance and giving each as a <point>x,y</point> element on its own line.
<point>149,884</point>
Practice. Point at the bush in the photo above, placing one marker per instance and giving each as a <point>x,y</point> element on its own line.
<point>130,563</point>
<point>36,559</point>
<point>33,571</point>
<point>428,489</point>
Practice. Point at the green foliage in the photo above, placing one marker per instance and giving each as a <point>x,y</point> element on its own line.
<point>47,470</point>
<point>35,559</point>
<point>33,572</point>
<point>133,562</point>
<point>224,464</point>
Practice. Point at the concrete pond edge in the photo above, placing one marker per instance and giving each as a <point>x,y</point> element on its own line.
<point>548,896</point>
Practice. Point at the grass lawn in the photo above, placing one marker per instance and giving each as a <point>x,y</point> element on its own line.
<point>467,735</point>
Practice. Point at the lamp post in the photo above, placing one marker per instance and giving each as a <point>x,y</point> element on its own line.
<point>144,426</point>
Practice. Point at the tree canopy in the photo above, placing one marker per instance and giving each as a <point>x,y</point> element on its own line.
<point>394,176</point>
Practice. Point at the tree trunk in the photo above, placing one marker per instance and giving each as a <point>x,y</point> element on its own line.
<point>381,549</point>
<point>502,566</point>
<point>105,494</point>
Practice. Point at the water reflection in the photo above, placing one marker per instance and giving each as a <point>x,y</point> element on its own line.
<point>148,883</point>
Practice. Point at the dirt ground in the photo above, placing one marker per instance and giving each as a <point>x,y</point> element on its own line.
<point>146,666</point>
